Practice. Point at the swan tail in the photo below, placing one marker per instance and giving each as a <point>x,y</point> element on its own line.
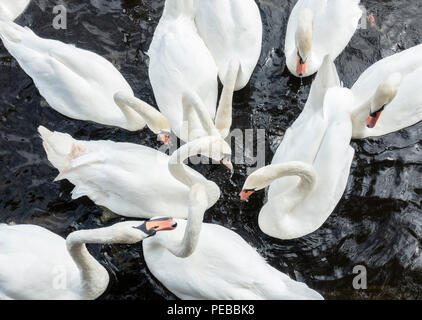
<point>61,149</point>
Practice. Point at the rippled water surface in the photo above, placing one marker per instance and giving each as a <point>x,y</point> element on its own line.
<point>378,222</point>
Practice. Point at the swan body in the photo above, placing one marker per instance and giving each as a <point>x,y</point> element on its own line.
<point>232,31</point>
<point>317,28</point>
<point>310,168</point>
<point>129,179</point>
<point>180,64</point>
<point>75,82</point>
<point>206,261</point>
<point>405,107</point>
<point>11,9</point>
<point>37,264</point>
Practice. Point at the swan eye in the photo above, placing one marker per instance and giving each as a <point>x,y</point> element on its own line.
<point>144,229</point>
<point>375,113</point>
<point>301,61</point>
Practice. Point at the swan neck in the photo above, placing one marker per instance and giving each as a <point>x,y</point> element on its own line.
<point>154,119</point>
<point>223,119</point>
<point>193,105</point>
<point>187,246</point>
<point>306,184</point>
<point>179,170</point>
<point>94,277</point>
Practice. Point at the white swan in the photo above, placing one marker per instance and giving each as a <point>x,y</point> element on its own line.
<point>207,261</point>
<point>232,31</point>
<point>35,263</point>
<point>320,137</point>
<point>78,83</point>
<point>317,28</point>
<point>390,90</point>
<point>129,179</point>
<point>11,9</point>
<point>310,169</point>
<point>183,75</point>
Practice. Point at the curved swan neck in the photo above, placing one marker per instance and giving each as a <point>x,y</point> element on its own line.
<point>197,207</point>
<point>192,104</point>
<point>176,166</point>
<point>154,119</point>
<point>94,276</point>
<point>305,172</point>
<point>223,118</point>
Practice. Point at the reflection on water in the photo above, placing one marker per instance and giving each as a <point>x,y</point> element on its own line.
<point>378,223</point>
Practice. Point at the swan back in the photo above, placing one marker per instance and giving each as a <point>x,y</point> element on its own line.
<point>232,31</point>
<point>177,56</point>
<point>46,256</point>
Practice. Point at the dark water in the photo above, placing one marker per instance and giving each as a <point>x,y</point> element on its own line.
<point>378,223</point>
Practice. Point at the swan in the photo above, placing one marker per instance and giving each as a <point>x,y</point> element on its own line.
<point>129,179</point>
<point>207,261</point>
<point>232,31</point>
<point>37,264</point>
<point>317,28</point>
<point>11,9</point>
<point>309,171</point>
<point>183,76</point>
<point>300,199</point>
<point>388,95</point>
<point>80,84</point>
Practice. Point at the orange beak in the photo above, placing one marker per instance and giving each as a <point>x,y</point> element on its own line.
<point>245,194</point>
<point>163,224</point>
<point>164,138</point>
<point>371,121</point>
<point>301,67</point>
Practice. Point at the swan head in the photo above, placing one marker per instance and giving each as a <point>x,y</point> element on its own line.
<point>130,232</point>
<point>217,149</point>
<point>385,93</point>
<point>303,38</point>
<point>258,180</point>
<point>164,136</point>
<point>159,125</point>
